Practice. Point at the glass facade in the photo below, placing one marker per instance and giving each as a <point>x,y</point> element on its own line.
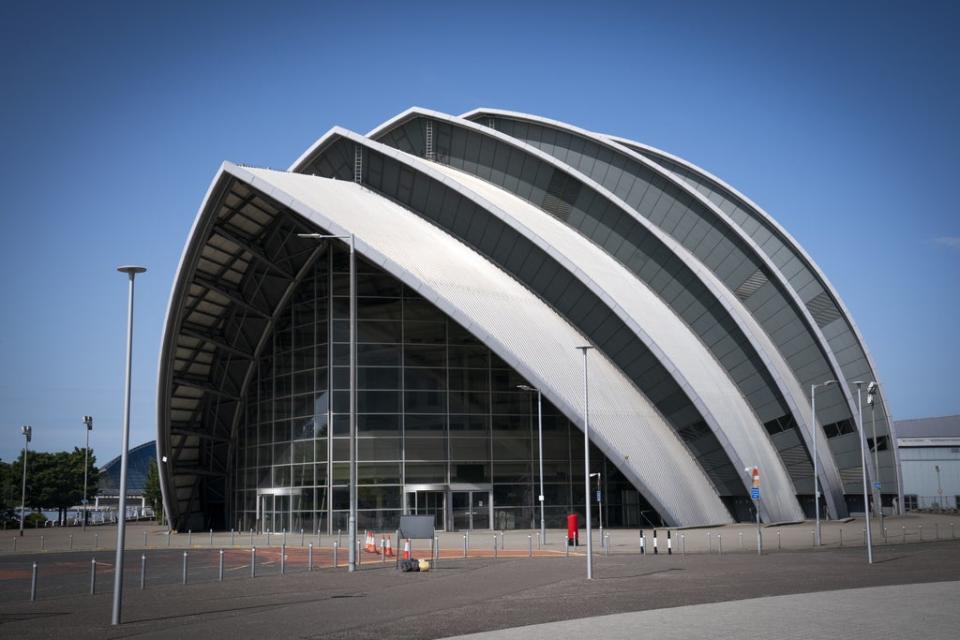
<point>441,425</point>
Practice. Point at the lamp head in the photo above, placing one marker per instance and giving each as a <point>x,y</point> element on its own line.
<point>526,387</point>
<point>88,420</point>
<point>131,269</point>
<point>27,432</point>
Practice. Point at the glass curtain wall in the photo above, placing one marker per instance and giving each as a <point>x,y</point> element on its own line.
<point>435,406</point>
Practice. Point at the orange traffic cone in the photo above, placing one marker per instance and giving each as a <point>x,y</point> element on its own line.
<point>406,549</point>
<point>389,550</point>
<point>371,546</point>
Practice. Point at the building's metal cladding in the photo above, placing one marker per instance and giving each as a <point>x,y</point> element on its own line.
<point>492,245</point>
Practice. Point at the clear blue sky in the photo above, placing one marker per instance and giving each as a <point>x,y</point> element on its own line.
<point>839,118</point>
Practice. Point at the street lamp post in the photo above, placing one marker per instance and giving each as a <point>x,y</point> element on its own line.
<point>863,464</point>
<point>352,521</point>
<point>816,456</point>
<point>88,422</point>
<point>27,432</point>
<point>131,272</point>
<point>877,498</point>
<point>586,461</point>
<point>525,387</point>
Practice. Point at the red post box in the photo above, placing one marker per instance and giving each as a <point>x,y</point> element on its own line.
<point>573,530</point>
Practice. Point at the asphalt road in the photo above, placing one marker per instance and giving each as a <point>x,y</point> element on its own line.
<point>460,597</point>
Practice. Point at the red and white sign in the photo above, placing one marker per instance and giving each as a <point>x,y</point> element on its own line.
<point>755,475</point>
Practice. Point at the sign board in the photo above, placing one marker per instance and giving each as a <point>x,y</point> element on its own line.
<point>755,493</point>
<point>598,496</point>
<point>416,527</point>
<point>876,485</point>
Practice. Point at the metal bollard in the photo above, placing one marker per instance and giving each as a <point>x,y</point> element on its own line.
<point>359,552</point>
<point>283,559</point>
<point>720,544</point>
<point>501,540</point>
<point>184,567</point>
<point>33,584</point>
<point>566,547</point>
<point>268,537</point>
<point>643,542</point>
<point>318,537</point>
<point>220,568</point>
<point>436,549</point>
<point>468,539</point>
<point>71,542</point>
<point>14,544</point>
<point>495,545</point>
<point>336,547</point>
<point>339,533</point>
<point>539,541</point>
<point>169,535</point>
<point>253,562</point>
<point>96,541</point>
<point>655,549</point>
<point>669,543</point>
<point>42,544</point>
<point>606,544</point>
<point>740,534</point>
<point>529,546</point>
<point>464,545</point>
<point>683,545</point>
<point>189,537</point>
<point>143,570</point>
<point>211,537</point>
<point>301,537</point>
<point>903,532</point>
<point>310,556</point>
<point>93,576</point>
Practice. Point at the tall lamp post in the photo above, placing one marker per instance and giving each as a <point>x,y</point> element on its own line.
<point>816,455</point>
<point>88,422</point>
<point>27,432</point>
<point>586,461</point>
<point>526,387</point>
<point>877,498</point>
<point>131,272</point>
<point>863,464</point>
<point>352,521</point>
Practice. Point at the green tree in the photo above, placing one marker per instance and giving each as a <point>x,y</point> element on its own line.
<point>151,490</point>
<point>55,480</point>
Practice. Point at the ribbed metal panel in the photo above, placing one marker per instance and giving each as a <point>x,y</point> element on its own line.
<point>517,326</point>
<point>699,374</point>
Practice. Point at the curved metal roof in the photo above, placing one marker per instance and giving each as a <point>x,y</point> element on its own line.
<point>517,325</point>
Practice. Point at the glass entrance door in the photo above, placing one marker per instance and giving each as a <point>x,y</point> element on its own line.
<point>428,503</point>
<point>471,509</point>
<point>275,513</point>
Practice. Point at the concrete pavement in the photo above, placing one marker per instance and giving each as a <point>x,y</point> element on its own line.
<point>462,596</point>
<point>876,613</point>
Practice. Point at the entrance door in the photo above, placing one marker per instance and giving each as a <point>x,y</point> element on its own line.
<point>471,509</point>
<point>274,513</point>
<point>428,503</point>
